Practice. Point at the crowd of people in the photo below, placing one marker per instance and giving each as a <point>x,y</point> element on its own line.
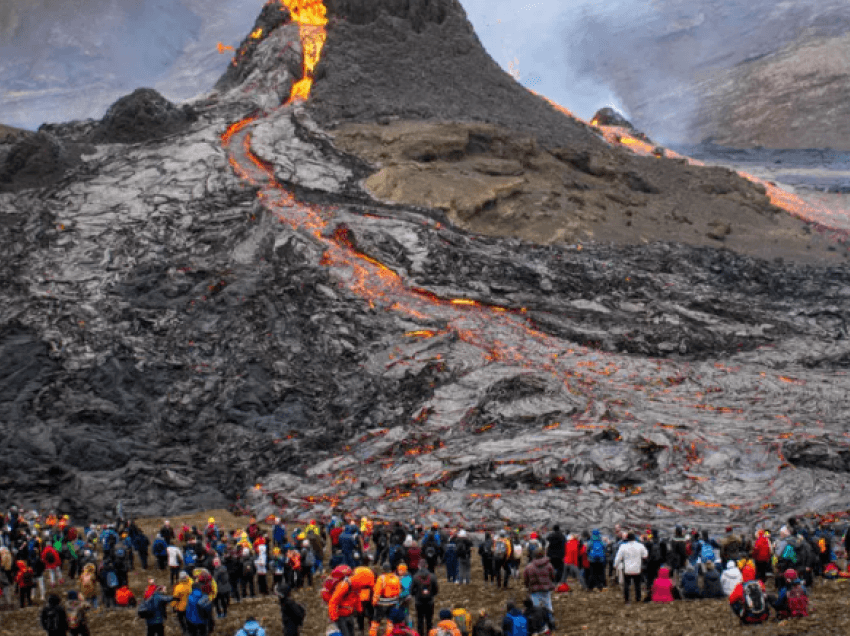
<point>380,575</point>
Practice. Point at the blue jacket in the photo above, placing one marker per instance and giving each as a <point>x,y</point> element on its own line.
<point>251,628</point>
<point>198,608</point>
<point>279,534</point>
<point>158,603</point>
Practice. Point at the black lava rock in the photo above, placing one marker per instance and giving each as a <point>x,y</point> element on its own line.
<point>35,161</point>
<point>142,115</point>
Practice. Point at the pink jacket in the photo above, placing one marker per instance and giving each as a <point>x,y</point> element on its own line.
<point>662,588</point>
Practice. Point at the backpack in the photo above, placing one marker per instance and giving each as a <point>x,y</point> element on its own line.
<point>189,557</point>
<point>822,546</point>
<point>391,589</point>
<point>51,620</point>
<point>596,553</point>
<point>329,586</point>
<point>146,610</point>
<point>423,593</point>
<point>519,626</point>
<point>655,552</point>
<point>761,551</point>
<point>442,631</point>
<point>308,559</point>
<point>123,596</point>
<point>707,552</point>
<point>27,578</point>
<point>160,548</point>
<point>111,580</point>
<point>75,617</point>
<point>430,552</point>
<point>459,617</point>
<point>798,602</point>
<point>755,603</point>
<point>789,553</point>
<point>300,613</point>
<point>500,549</point>
<point>248,568</point>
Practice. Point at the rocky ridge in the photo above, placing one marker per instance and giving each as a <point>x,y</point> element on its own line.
<point>177,329</point>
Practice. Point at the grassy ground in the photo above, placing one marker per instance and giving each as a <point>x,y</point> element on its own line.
<point>577,612</point>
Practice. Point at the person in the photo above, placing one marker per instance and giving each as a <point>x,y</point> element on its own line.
<point>711,586</point>
<point>538,619</point>
<point>222,582</point>
<point>175,560</point>
<point>25,580</point>
<point>596,560</point>
<point>631,555</point>
<point>198,612</point>
<point>502,553</point>
<point>730,578</point>
<point>485,551</point>
<point>762,551</point>
<point>464,557</point>
<point>154,610</point>
<point>292,614</point>
<point>462,619</point>
<point>514,623</point>
<point>445,626</point>
<point>251,628</point>
<point>181,594</point>
<point>793,600</point>
<point>677,556</point>
<point>385,596</point>
<point>539,577</point>
<point>662,587</point>
<point>88,584</point>
<point>405,579</point>
<point>75,613</point>
<point>690,583</point>
<point>160,552</point>
<point>748,600</point>
<point>424,590</point>
<point>484,626</point>
<point>399,623</point>
<point>556,550</point>
<point>54,620</point>
<point>345,601</point>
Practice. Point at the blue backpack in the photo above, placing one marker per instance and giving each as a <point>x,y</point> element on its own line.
<point>160,548</point>
<point>596,553</point>
<point>519,626</point>
<point>707,552</point>
<point>112,580</point>
<point>189,556</point>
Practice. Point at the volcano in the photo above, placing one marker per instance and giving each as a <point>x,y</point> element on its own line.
<point>398,283</point>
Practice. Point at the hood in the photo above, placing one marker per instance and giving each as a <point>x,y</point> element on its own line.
<point>663,573</point>
<point>251,626</point>
<point>541,561</point>
<point>196,594</point>
<point>731,565</point>
<point>748,573</point>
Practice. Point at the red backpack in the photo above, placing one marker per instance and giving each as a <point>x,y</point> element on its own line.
<point>798,602</point>
<point>339,574</point>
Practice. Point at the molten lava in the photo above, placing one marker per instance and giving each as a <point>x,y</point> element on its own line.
<point>222,48</point>
<point>311,17</point>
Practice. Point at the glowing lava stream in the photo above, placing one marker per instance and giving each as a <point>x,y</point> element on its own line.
<point>496,334</point>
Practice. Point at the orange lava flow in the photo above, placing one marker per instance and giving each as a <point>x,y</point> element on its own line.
<point>222,48</point>
<point>311,17</point>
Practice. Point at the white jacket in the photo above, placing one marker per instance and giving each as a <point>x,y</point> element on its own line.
<point>631,554</point>
<point>175,556</point>
<point>730,578</point>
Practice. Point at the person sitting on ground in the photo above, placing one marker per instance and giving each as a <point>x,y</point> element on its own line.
<point>690,583</point>
<point>445,626</point>
<point>730,578</point>
<point>711,586</point>
<point>538,619</point>
<point>793,600</point>
<point>662,587</point>
<point>748,600</point>
<point>251,628</point>
<point>462,619</point>
<point>514,623</point>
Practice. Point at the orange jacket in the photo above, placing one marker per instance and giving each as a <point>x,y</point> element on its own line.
<point>449,626</point>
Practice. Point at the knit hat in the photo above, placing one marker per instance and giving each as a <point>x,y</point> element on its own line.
<point>748,573</point>
<point>445,615</point>
<point>183,576</point>
<point>790,575</point>
<point>396,615</point>
<point>72,596</point>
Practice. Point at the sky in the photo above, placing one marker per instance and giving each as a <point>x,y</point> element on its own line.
<point>70,59</point>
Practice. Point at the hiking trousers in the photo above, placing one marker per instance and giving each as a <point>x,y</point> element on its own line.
<point>424,617</point>
<point>631,579</point>
<point>346,625</point>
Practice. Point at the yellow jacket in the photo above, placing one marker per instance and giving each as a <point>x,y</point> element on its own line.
<point>181,595</point>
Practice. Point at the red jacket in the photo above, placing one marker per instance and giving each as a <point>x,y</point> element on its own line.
<point>571,554</point>
<point>414,554</point>
<point>662,587</point>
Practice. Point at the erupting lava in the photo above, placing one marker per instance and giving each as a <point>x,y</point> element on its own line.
<point>311,17</point>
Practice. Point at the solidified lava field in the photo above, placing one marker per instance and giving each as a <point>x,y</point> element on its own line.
<point>222,313</point>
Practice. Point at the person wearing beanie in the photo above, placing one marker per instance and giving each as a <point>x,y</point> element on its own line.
<point>54,620</point>
<point>181,594</point>
<point>398,618</point>
<point>75,613</point>
<point>445,625</point>
<point>793,600</point>
<point>514,623</point>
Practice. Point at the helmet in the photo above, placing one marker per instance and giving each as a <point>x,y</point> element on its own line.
<point>210,520</point>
